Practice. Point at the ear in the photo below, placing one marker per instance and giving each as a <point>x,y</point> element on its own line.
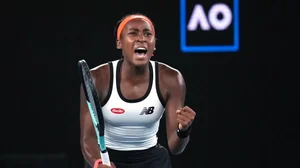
<point>119,45</point>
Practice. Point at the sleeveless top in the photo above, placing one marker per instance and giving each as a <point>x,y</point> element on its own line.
<point>132,124</point>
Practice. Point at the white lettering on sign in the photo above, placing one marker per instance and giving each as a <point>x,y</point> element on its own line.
<point>199,18</point>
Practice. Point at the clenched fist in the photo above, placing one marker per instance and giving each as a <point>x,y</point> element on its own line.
<point>185,117</point>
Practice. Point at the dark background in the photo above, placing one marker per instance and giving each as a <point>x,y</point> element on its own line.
<point>241,108</point>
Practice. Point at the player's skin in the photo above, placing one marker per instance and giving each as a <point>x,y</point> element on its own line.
<point>134,84</point>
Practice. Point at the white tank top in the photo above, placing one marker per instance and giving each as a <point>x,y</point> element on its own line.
<point>132,124</point>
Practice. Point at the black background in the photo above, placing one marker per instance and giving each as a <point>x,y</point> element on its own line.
<point>241,107</point>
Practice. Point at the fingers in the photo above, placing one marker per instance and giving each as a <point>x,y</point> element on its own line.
<point>184,119</point>
<point>189,110</point>
<point>112,165</point>
<point>183,122</point>
<point>189,113</point>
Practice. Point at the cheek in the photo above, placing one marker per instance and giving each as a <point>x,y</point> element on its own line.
<point>152,41</point>
<point>127,42</point>
<point>130,39</point>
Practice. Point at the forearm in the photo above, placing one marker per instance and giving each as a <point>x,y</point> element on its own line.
<point>90,151</point>
<point>176,144</point>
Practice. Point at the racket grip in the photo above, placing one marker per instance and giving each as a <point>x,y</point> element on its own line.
<point>105,158</point>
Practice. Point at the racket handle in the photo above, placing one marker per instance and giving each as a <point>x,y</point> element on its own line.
<point>105,158</point>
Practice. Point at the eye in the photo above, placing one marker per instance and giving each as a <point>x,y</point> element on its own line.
<point>132,33</point>
<point>148,34</point>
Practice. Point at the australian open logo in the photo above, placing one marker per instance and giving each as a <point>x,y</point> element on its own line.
<point>209,26</point>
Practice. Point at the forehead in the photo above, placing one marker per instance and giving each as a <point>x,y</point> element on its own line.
<point>138,24</point>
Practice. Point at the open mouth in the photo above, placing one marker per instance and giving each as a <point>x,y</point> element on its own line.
<point>140,51</point>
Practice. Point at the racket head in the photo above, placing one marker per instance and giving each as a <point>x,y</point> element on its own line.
<point>93,101</point>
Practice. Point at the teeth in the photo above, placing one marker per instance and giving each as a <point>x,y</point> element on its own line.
<point>141,48</point>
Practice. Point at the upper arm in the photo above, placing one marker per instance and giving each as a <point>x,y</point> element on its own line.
<point>176,90</point>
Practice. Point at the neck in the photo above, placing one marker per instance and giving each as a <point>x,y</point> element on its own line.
<point>130,71</point>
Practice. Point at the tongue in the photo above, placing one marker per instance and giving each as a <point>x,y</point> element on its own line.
<point>140,54</point>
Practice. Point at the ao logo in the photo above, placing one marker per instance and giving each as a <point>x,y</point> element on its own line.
<point>208,20</point>
<point>199,18</point>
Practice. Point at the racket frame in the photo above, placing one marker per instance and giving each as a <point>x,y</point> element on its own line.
<point>94,105</point>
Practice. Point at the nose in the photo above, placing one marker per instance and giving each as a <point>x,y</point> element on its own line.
<point>141,37</point>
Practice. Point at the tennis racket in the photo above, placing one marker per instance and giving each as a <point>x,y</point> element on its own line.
<point>94,106</point>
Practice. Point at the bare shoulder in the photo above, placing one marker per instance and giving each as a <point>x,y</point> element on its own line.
<point>101,77</point>
<point>100,71</point>
<point>170,76</point>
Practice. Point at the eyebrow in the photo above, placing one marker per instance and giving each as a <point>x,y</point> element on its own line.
<point>135,29</point>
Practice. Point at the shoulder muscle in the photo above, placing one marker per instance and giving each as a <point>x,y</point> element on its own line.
<point>101,77</point>
<point>171,80</point>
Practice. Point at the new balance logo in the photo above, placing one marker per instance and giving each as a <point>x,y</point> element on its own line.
<point>147,111</point>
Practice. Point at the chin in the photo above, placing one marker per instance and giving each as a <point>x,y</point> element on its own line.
<point>140,60</point>
<point>140,63</point>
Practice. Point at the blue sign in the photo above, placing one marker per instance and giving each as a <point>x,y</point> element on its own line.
<point>209,27</point>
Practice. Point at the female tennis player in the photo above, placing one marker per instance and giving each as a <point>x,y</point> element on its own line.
<point>135,92</point>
